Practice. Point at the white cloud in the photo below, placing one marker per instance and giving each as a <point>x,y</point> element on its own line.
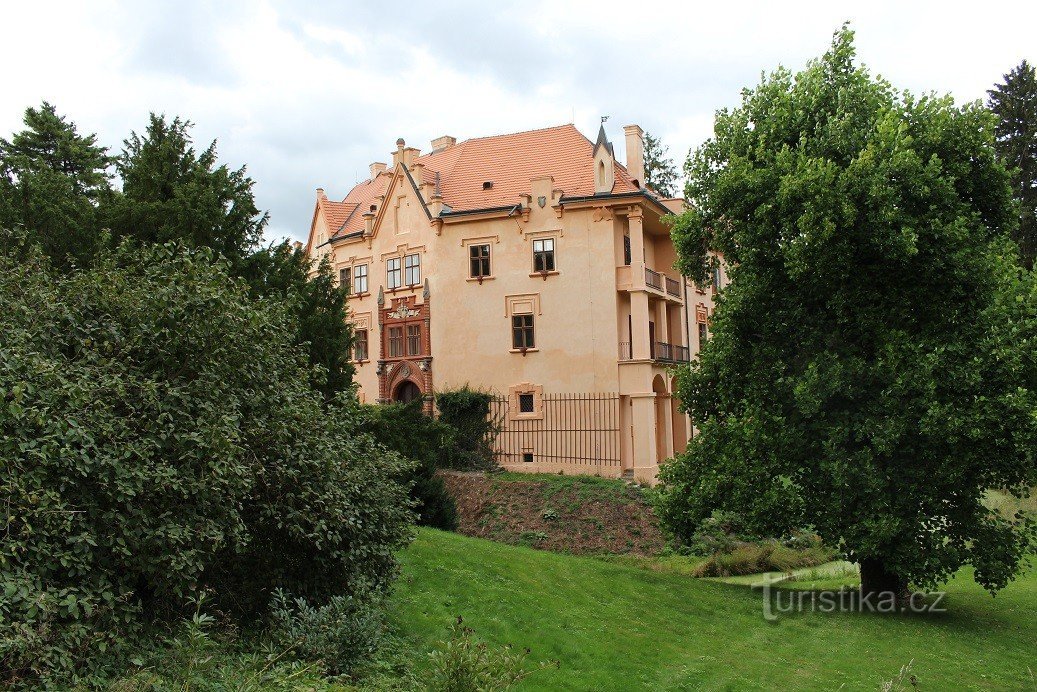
<point>308,97</point>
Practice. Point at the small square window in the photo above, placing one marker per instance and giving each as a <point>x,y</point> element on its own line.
<point>526,403</point>
<point>527,457</point>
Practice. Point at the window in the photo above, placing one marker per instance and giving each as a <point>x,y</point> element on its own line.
<point>479,261</point>
<point>393,274</point>
<point>716,278</point>
<point>527,457</point>
<point>343,278</point>
<point>395,342</point>
<point>526,403</point>
<point>360,345</point>
<point>544,255</point>
<point>522,331</point>
<point>412,269</point>
<point>626,250</point>
<point>413,339</point>
<point>703,334</point>
<point>360,279</point>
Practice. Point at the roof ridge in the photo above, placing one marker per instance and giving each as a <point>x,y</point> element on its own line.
<point>522,132</point>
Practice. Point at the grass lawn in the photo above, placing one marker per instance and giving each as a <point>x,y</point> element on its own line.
<point>617,626</point>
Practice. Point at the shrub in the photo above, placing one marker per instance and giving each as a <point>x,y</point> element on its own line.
<point>467,411</point>
<point>159,436</point>
<point>463,664</point>
<point>764,556</point>
<point>340,634</point>
<point>720,532</point>
<point>403,428</point>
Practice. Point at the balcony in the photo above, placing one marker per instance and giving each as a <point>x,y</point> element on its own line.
<point>659,350</point>
<point>655,283</point>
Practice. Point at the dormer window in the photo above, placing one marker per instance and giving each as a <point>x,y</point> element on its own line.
<point>601,172</point>
<point>487,185</point>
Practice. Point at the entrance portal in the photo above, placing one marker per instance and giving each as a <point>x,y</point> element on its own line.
<point>406,392</point>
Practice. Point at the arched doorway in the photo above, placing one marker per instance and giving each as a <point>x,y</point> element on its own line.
<point>406,392</point>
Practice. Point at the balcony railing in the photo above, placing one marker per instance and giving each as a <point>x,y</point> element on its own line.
<point>671,352</point>
<point>673,287</point>
<point>658,350</point>
<point>654,279</point>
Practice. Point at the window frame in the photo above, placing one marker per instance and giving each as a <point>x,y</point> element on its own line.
<point>410,268</point>
<point>544,256</point>
<point>412,336</point>
<point>357,276</point>
<point>523,336</point>
<point>391,271</point>
<point>395,336</point>
<point>361,350</point>
<point>483,260</point>
<point>345,275</point>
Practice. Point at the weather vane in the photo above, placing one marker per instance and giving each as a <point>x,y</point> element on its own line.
<point>604,118</point>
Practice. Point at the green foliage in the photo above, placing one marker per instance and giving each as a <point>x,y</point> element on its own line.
<point>467,411</point>
<point>464,664</point>
<point>407,431</point>
<point>341,634</point>
<point>51,182</point>
<point>762,556</point>
<point>171,192</point>
<point>660,173</point>
<point>1014,102</point>
<point>872,366</point>
<point>158,435</point>
<point>318,306</point>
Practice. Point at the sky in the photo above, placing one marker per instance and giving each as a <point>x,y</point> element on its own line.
<point>307,94</point>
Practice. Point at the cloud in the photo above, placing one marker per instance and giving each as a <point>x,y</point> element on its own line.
<point>308,94</point>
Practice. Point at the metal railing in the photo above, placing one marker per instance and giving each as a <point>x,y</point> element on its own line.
<point>580,429</point>
<point>658,350</point>
<point>671,352</point>
<point>673,287</point>
<point>654,279</point>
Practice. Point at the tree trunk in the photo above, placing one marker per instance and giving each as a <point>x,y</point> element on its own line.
<point>876,580</point>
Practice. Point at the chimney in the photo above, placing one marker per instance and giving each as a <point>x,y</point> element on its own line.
<point>320,194</point>
<point>376,169</point>
<point>444,142</point>
<point>635,153</point>
<point>368,224</point>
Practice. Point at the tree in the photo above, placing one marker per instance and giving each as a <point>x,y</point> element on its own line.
<point>1015,104</point>
<point>171,192</point>
<point>660,173</point>
<point>51,181</point>
<point>871,371</point>
<point>318,305</point>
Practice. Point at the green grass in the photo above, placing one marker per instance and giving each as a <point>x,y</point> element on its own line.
<point>618,626</point>
<point>586,487</point>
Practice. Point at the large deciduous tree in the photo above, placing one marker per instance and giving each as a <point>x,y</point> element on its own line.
<point>51,182</point>
<point>872,367</point>
<point>1015,104</point>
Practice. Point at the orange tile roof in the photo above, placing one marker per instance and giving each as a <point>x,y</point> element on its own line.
<point>510,161</point>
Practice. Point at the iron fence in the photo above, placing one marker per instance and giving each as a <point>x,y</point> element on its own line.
<point>579,429</point>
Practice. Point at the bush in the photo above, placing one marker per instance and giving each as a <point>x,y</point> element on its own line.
<point>341,634</point>
<point>463,664</point>
<point>720,532</point>
<point>403,428</point>
<point>467,411</point>
<point>764,556</point>
<point>159,437</point>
